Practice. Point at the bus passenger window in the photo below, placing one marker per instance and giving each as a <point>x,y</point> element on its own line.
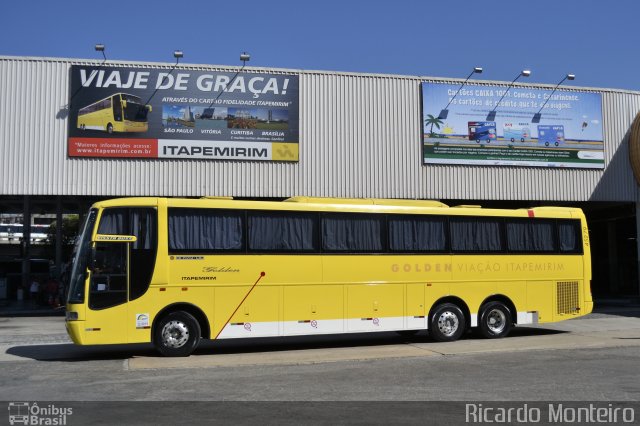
<point>417,234</point>
<point>282,231</point>
<point>358,233</point>
<point>203,230</point>
<point>472,234</point>
<point>569,236</point>
<point>531,235</point>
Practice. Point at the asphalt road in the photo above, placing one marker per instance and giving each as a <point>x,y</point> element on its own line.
<point>589,359</point>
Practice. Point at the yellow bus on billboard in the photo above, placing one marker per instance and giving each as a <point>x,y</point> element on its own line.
<point>118,113</point>
<point>174,271</point>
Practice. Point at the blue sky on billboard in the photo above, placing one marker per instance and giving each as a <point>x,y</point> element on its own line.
<point>596,40</point>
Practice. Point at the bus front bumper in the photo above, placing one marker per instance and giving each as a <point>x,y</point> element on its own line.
<point>75,330</point>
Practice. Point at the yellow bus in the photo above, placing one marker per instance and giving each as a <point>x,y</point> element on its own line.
<point>117,113</point>
<point>173,271</point>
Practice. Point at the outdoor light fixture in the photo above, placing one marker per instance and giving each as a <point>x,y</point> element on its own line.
<point>244,57</point>
<point>177,54</point>
<point>445,112</point>
<point>492,114</point>
<point>100,48</point>
<point>538,115</point>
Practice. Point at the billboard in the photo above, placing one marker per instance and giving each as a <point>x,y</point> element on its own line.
<point>185,114</point>
<point>490,125</point>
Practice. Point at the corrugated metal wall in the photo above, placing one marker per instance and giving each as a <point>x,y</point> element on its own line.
<point>359,137</point>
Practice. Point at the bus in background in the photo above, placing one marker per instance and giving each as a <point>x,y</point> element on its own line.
<point>12,233</point>
<point>174,271</point>
<point>117,113</point>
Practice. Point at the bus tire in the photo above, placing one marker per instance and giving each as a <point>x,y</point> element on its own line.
<point>109,128</point>
<point>177,334</point>
<point>495,320</point>
<point>447,323</point>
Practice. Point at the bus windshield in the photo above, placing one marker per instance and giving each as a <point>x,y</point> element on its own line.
<point>81,259</point>
<point>135,112</point>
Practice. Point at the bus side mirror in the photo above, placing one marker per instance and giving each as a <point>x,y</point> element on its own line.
<point>149,108</point>
<point>124,104</point>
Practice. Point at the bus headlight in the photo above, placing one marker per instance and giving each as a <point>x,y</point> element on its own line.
<point>72,316</point>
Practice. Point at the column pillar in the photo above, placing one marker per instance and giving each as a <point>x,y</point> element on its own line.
<point>58,236</point>
<point>25,244</point>
<point>637,213</point>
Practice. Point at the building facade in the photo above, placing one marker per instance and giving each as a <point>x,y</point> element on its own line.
<point>358,136</point>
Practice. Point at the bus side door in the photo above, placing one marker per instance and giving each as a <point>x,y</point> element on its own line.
<point>108,294</point>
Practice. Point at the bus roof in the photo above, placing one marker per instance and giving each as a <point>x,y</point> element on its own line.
<point>361,201</point>
<point>368,205</point>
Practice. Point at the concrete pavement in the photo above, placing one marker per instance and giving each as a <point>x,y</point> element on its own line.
<point>44,338</point>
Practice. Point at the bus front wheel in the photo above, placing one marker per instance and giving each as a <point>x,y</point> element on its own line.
<point>177,334</point>
<point>495,320</point>
<point>447,323</point>
<point>109,128</point>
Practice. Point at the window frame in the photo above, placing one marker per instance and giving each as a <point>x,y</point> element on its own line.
<point>383,234</point>
<point>316,234</point>
<point>318,218</point>
<point>501,234</point>
<point>243,228</point>
<point>447,234</point>
<point>554,233</point>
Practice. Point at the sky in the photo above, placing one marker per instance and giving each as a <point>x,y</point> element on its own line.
<point>598,41</point>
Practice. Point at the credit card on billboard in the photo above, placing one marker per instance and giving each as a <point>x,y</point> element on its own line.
<point>551,135</point>
<point>516,132</point>
<point>482,131</point>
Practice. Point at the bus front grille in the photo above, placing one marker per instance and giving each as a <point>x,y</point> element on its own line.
<point>568,300</point>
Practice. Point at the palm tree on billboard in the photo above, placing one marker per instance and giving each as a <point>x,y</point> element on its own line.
<point>433,121</point>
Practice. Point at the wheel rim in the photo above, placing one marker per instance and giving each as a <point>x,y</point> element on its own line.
<point>448,323</point>
<point>496,321</point>
<point>175,334</point>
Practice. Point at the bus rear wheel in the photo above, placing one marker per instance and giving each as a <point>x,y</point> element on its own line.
<point>109,128</point>
<point>495,320</point>
<point>177,334</point>
<point>447,323</point>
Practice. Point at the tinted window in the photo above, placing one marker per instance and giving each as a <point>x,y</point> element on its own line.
<point>417,233</point>
<point>531,235</point>
<point>205,230</point>
<point>352,232</point>
<point>282,231</point>
<point>113,221</point>
<point>109,277</point>
<point>569,237</point>
<point>469,234</point>
<point>141,223</point>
